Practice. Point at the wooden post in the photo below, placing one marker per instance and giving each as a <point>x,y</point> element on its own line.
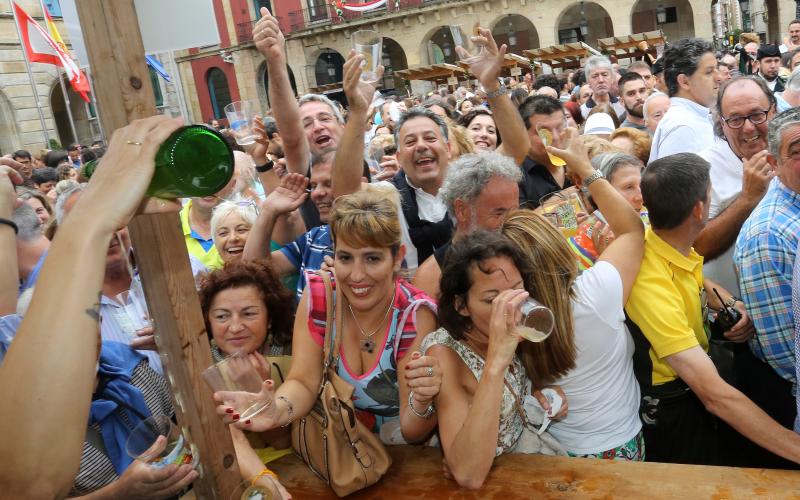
<point>124,93</point>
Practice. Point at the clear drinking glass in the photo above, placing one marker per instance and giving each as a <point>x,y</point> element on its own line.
<point>141,443</point>
<point>240,116</point>
<point>537,321</point>
<point>370,45</point>
<point>462,29</point>
<point>236,374</point>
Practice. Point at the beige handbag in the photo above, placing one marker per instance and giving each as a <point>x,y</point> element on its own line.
<point>334,444</point>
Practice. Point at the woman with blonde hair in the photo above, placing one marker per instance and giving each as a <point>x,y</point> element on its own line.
<point>632,141</point>
<point>383,322</point>
<point>603,419</point>
<point>231,222</point>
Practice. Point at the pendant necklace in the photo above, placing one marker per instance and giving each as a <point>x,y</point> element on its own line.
<point>366,343</point>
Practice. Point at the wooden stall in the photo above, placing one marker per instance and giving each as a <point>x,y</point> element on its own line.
<point>438,74</point>
<point>633,46</point>
<point>564,57</point>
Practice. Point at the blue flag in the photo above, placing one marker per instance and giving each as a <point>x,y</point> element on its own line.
<point>156,65</point>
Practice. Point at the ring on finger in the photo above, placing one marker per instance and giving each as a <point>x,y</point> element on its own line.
<point>430,371</point>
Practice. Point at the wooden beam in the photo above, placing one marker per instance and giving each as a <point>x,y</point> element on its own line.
<point>124,93</point>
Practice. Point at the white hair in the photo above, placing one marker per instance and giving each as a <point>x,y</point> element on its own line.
<point>596,62</point>
<point>651,97</point>
<point>245,208</point>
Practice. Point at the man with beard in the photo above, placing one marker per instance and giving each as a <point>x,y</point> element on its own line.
<point>633,91</point>
<point>769,64</point>
<point>479,191</point>
<point>740,173</point>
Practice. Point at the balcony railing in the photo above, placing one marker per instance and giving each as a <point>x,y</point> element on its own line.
<point>321,15</point>
<point>327,15</point>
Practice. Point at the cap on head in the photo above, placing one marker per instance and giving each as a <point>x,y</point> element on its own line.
<point>768,51</point>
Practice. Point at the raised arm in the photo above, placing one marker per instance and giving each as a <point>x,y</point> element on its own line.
<point>349,162</point>
<point>516,142</point>
<point>9,271</point>
<point>283,200</point>
<point>626,252</point>
<point>270,42</point>
<point>40,458</point>
<point>720,233</point>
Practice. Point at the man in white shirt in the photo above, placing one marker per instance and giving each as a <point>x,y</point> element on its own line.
<point>690,71</point>
<point>600,77</point>
<point>740,173</point>
<point>793,41</point>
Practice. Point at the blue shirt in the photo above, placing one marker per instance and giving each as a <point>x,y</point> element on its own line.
<point>307,252</point>
<point>8,328</point>
<point>764,257</point>
<point>34,275</point>
<point>796,312</point>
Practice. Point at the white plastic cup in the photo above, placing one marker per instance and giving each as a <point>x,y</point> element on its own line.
<point>537,321</point>
<point>240,119</point>
<point>141,443</point>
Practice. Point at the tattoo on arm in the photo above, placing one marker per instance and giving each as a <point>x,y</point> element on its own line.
<point>94,311</point>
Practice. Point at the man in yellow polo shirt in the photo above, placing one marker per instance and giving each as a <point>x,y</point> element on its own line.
<point>196,224</point>
<point>681,389</point>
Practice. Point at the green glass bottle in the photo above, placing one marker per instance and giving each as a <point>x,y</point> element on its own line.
<point>88,168</point>
<point>194,161</point>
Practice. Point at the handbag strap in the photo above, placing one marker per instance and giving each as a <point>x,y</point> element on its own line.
<point>333,309</point>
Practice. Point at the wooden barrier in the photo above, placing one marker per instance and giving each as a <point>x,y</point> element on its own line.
<point>416,472</point>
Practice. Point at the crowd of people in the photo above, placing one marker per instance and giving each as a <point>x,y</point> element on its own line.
<point>653,208</point>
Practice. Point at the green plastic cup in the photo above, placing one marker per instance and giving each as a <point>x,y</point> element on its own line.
<point>195,161</point>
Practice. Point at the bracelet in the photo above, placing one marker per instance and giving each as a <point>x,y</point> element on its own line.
<point>265,472</point>
<point>265,167</point>
<point>10,223</point>
<point>428,412</point>
<point>593,177</point>
<point>497,93</point>
<point>732,301</point>
<point>289,409</point>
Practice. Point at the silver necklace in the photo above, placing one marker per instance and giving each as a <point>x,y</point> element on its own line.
<point>366,343</point>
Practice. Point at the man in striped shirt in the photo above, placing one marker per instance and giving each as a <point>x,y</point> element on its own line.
<point>764,257</point>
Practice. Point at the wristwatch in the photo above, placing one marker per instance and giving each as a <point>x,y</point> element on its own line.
<point>497,93</point>
<point>593,177</point>
<point>732,301</point>
<point>265,167</point>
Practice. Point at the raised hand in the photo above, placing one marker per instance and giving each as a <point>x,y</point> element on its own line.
<point>258,150</point>
<point>268,37</point>
<point>757,175</point>
<point>9,177</point>
<point>503,338</point>
<point>489,60</point>
<point>289,195</point>
<point>359,93</point>
<point>574,153</point>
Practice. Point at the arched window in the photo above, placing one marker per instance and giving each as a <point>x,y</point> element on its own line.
<point>262,3</point>
<point>218,91</point>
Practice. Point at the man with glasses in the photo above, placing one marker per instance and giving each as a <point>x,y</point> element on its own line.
<point>740,173</point>
<point>542,115</point>
<point>764,257</point>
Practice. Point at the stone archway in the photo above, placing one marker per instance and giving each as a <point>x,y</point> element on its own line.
<point>676,16</point>
<point>584,22</point>
<point>80,115</point>
<point>329,67</point>
<point>394,59</point>
<point>517,31</point>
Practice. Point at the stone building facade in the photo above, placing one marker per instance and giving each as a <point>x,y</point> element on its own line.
<point>205,79</point>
